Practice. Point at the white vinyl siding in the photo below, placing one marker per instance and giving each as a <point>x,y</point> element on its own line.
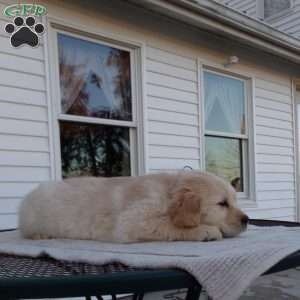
<point>171,93</point>
<point>287,21</point>
<point>275,163</point>
<point>172,111</point>
<point>24,131</point>
<point>248,7</point>
<point>174,139</point>
<point>290,21</point>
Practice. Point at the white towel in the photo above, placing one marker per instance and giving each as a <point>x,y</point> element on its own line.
<point>224,268</point>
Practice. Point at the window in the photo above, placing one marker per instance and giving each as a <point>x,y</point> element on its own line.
<point>226,132</point>
<point>274,7</point>
<point>96,120</point>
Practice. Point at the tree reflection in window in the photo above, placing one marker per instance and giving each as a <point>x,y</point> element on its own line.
<point>95,79</point>
<point>94,150</point>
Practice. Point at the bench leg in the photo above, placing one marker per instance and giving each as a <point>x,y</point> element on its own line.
<point>193,293</point>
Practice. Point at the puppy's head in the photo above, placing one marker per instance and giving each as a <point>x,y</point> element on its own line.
<point>202,198</point>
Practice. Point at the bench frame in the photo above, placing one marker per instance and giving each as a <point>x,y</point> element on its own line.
<point>136,282</point>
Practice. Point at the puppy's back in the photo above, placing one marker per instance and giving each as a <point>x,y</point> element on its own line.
<point>32,210</point>
<point>53,208</point>
<point>88,208</point>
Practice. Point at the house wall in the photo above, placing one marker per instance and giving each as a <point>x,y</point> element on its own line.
<point>248,7</point>
<point>172,55</point>
<point>290,21</point>
<point>287,21</point>
<point>172,110</point>
<point>24,131</point>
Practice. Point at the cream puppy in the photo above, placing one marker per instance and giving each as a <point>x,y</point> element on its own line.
<point>191,206</point>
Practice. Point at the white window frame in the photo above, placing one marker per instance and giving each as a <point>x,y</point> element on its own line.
<point>296,118</point>
<point>135,126</point>
<point>247,197</point>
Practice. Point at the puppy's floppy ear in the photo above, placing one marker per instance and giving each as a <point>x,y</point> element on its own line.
<point>185,208</point>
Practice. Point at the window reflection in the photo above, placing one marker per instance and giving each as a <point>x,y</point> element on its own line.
<point>94,150</point>
<point>223,157</point>
<point>94,79</point>
<point>224,104</point>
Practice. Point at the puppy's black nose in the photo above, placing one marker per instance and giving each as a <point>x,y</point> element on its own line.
<point>245,220</point>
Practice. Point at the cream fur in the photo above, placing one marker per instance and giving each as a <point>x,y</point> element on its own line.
<point>179,206</point>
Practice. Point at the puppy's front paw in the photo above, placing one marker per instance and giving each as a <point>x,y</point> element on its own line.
<point>213,234</point>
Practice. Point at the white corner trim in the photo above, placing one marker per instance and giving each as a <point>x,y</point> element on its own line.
<point>296,82</point>
<point>201,110</point>
<point>54,103</point>
<point>142,82</point>
<point>49,99</point>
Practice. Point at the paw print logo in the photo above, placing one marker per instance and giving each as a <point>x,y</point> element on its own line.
<point>24,31</point>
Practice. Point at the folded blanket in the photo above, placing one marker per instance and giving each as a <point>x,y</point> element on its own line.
<point>224,268</point>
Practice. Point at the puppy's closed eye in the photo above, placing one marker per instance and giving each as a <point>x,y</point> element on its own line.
<point>224,203</point>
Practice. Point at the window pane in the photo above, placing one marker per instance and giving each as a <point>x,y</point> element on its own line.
<point>224,104</point>
<point>94,79</point>
<point>223,157</point>
<point>94,150</point>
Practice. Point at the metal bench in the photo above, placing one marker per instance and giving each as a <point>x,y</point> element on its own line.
<point>44,277</point>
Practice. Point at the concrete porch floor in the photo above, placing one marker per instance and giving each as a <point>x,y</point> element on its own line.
<point>280,286</point>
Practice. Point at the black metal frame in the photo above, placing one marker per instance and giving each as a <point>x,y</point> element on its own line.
<point>139,282</point>
<point>133,282</point>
